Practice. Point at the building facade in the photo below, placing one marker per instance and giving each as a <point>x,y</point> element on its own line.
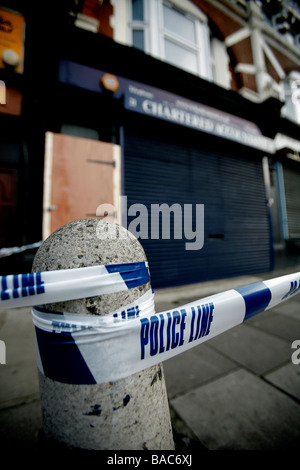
<point>184,113</point>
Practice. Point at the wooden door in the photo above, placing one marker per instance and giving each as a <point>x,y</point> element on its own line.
<point>79,175</point>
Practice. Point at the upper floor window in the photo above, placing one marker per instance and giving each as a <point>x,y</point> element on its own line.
<point>139,24</point>
<point>180,37</point>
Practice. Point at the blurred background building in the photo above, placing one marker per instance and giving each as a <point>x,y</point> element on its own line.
<point>161,101</point>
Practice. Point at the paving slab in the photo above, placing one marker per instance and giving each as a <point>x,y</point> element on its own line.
<point>20,426</point>
<point>251,348</point>
<point>290,308</point>
<point>286,378</point>
<point>19,376</point>
<point>240,411</point>
<point>277,324</point>
<point>193,368</point>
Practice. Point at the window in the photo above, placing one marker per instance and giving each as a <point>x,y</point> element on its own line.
<point>180,37</point>
<point>138,24</point>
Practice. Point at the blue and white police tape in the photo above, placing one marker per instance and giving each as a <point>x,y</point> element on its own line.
<point>12,250</point>
<point>23,290</point>
<point>84,349</point>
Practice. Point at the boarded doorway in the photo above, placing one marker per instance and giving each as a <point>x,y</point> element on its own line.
<point>79,175</point>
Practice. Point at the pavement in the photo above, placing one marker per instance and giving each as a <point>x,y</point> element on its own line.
<point>237,391</point>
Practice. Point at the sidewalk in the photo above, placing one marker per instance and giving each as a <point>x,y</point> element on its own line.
<point>239,390</point>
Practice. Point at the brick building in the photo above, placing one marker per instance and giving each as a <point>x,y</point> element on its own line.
<point>164,102</point>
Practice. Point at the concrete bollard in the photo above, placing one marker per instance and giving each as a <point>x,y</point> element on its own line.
<point>128,414</point>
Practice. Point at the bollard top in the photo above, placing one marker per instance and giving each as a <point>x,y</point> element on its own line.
<point>90,242</point>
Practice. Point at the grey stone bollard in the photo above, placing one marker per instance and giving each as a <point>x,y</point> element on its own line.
<point>128,414</point>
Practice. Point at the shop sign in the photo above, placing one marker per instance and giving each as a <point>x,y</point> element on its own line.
<point>12,26</point>
<point>196,116</point>
<point>161,104</point>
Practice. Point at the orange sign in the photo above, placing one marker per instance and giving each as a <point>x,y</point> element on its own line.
<point>110,82</point>
<point>11,40</point>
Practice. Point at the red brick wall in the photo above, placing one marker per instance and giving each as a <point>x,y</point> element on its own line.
<point>102,11</point>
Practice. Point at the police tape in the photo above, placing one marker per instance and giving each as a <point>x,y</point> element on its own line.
<point>88,349</point>
<point>23,290</point>
<point>18,249</point>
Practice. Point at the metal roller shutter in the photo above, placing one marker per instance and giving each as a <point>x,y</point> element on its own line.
<point>167,169</point>
<point>292,199</point>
